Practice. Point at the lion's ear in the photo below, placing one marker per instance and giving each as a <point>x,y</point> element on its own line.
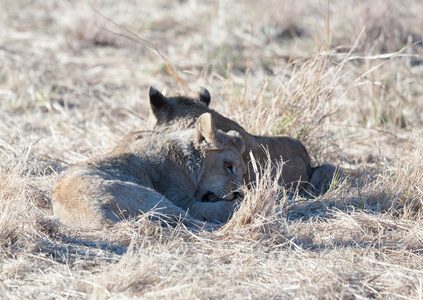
<point>204,96</point>
<point>237,140</point>
<point>157,100</point>
<point>205,129</point>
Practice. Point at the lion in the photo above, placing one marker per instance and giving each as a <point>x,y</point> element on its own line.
<point>175,113</point>
<point>192,175</point>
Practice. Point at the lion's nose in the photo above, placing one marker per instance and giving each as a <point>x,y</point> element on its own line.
<point>238,194</point>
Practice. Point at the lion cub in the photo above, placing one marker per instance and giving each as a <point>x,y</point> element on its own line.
<point>176,113</point>
<point>179,175</point>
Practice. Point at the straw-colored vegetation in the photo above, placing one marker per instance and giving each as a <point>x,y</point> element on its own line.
<point>345,78</point>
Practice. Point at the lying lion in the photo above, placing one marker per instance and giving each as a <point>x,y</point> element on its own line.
<point>180,175</point>
<point>179,112</point>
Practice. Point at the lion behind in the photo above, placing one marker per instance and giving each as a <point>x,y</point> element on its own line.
<point>175,113</point>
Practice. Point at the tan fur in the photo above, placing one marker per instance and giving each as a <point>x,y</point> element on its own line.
<point>174,174</point>
<point>176,113</point>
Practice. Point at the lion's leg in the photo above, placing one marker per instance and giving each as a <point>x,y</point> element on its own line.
<point>132,199</point>
<point>78,200</point>
<point>87,199</point>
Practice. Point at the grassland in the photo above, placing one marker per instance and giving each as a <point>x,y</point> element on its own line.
<point>345,78</point>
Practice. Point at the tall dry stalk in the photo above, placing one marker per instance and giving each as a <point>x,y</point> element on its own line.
<point>262,203</point>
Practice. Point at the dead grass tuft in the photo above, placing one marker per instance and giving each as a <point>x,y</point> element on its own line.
<point>401,187</point>
<point>259,206</point>
<point>13,213</point>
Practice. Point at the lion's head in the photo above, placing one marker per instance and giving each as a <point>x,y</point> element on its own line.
<point>224,167</point>
<point>180,112</point>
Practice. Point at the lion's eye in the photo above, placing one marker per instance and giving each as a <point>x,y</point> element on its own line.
<point>229,166</point>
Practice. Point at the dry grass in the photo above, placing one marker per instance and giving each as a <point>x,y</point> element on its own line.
<point>346,79</point>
